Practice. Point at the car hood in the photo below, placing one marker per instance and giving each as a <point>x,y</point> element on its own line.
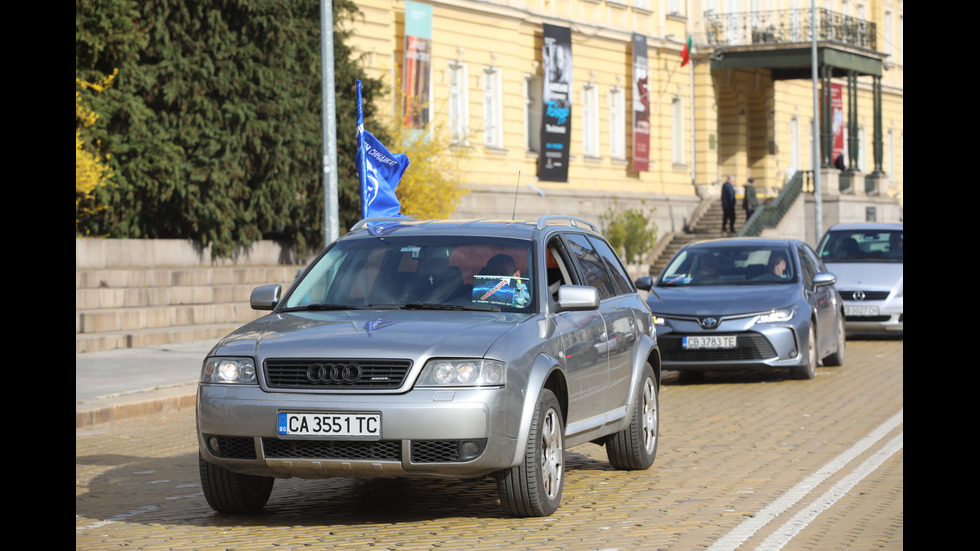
<point>413,334</point>
<point>862,275</point>
<point>722,300</point>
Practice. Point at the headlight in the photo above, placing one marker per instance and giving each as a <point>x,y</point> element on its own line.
<point>228,370</point>
<point>777,315</point>
<point>463,373</point>
<point>657,320</point>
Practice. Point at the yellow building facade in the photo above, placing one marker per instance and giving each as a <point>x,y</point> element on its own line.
<point>736,109</point>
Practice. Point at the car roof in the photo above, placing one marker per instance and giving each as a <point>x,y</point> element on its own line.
<point>867,226</point>
<point>741,242</point>
<point>522,229</point>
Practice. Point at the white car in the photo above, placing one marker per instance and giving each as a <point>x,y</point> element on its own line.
<point>868,261</point>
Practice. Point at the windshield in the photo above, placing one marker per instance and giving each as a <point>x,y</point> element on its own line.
<point>742,265</point>
<point>438,272</point>
<point>862,246</point>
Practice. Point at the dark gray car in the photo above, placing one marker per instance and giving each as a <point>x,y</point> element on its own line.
<point>435,349</point>
<point>747,303</point>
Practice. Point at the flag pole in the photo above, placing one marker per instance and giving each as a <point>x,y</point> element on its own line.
<point>331,212</point>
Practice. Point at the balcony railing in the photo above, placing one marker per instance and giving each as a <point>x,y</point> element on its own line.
<point>787,26</point>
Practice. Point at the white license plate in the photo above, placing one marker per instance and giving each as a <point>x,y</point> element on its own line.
<point>860,310</point>
<point>359,425</point>
<point>695,343</point>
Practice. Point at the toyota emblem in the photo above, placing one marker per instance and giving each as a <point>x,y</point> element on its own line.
<point>709,323</point>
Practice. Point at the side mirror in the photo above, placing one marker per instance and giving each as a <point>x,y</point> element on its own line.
<point>645,283</point>
<point>824,278</point>
<point>577,297</point>
<point>265,297</point>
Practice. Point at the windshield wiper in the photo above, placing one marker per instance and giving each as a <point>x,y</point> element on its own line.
<point>438,306</point>
<point>323,307</point>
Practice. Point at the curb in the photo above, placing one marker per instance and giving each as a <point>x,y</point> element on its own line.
<point>108,409</point>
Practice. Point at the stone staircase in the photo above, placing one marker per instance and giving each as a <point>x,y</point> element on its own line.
<point>707,226</point>
<point>135,307</point>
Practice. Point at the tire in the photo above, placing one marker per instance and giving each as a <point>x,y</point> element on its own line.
<point>809,369</point>
<point>837,358</point>
<point>533,488</point>
<point>230,492</point>
<point>635,447</point>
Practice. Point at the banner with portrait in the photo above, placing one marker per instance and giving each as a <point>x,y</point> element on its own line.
<point>556,122</point>
<point>641,105</point>
<point>417,77</point>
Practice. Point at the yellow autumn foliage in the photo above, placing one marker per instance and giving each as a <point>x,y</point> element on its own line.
<point>92,169</point>
<point>433,184</point>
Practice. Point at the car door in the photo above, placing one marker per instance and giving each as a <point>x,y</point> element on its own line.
<point>593,257</point>
<point>820,299</point>
<point>583,339</point>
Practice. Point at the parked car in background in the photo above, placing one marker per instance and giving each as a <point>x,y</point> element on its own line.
<point>747,303</point>
<point>868,260</point>
<point>435,349</point>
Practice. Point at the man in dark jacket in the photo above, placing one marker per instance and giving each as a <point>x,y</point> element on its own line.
<point>750,202</point>
<point>728,205</point>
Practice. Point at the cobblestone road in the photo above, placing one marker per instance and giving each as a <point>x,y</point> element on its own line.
<point>746,461</point>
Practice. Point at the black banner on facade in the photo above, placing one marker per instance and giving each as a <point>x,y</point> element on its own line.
<point>556,124</point>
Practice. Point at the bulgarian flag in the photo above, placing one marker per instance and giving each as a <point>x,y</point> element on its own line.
<point>686,52</point>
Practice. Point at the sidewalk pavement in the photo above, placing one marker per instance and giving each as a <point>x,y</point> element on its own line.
<point>118,384</point>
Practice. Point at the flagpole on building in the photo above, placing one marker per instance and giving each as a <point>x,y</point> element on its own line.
<point>331,213</point>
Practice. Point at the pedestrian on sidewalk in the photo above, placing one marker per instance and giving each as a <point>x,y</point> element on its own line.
<point>750,202</point>
<point>728,204</point>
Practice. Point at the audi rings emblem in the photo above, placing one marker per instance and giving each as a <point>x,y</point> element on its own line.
<point>333,374</point>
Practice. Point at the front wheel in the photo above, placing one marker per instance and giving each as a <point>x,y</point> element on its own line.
<point>231,492</point>
<point>837,358</point>
<point>809,369</point>
<point>635,447</point>
<point>533,488</point>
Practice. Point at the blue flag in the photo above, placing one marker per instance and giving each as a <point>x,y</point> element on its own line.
<point>379,171</point>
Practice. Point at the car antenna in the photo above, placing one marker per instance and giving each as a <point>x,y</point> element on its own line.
<point>516,191</point>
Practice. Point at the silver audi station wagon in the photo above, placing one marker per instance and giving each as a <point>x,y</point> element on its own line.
<point>439,348</point>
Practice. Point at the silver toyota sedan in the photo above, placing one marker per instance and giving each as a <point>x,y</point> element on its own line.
<point>747,303</point>
<point>869,260</point>
<point>435,349</point>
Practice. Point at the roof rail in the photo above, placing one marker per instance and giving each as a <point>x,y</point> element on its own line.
<point>365,221</point>
<point>543,221</point>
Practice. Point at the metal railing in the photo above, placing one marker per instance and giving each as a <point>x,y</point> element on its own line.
<point>770,214</point>
<point>787,26</point>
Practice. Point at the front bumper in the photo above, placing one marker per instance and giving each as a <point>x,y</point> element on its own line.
<point>757,345</point>
<point>890,317</point>
<point>460,433</point>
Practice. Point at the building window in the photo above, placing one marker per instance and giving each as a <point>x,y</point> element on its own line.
<point>493,120</point>
<point>532,112</point>
<point>677,129</point>
<point>590,120</point>
<point>794,144</point>
<point>863,150</point>
<point>617,123</point>
<point>459,115</point>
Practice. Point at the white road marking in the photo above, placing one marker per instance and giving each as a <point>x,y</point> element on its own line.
<point>744,531</point>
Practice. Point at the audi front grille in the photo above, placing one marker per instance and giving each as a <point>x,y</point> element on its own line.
<point>335,373</point>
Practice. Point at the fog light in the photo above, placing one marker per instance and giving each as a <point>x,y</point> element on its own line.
<point>213,444</point>
<point>469,450</point>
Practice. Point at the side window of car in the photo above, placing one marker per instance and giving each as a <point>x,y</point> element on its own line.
<point>807,267</point>
<point>590,263</point>
<point>620,276</point>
